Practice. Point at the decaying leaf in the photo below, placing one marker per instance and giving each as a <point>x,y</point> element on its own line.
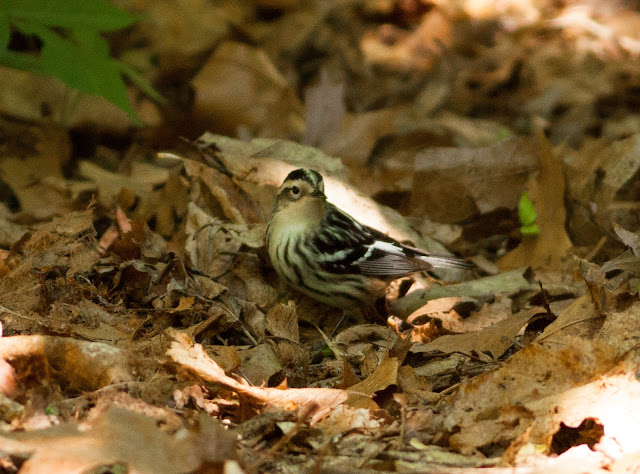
<point>507,283</point>
<point>582,310</point>
<point>264,103</point>
<point>549,249</point>
<point>451,184</point>
<point>630,239</point>
<point>525,391</point>
<point>311,400</point>
<point>493,340</point>
<point>385,374</point>
<point>123,438</point>
<point>141,181</point>
<point>78,364</point>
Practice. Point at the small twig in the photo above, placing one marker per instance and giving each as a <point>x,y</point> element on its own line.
<point>594,251</point>
<point>454,387</point>
<point>7,310</point>
<point>282,442</point>
<point>545,300</point>
<point>567,325</point>
<point>138,327</point>
<point>477,359</point>
<point>403,422</point>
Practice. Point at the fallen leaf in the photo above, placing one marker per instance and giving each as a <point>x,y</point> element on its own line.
<point>259,364</point>
<point>29,154</point>
<point>507,283</point>
<point>451,184</point>
<point>141,181</point>
<point>582,310</point>
<point>120,437</point>
<point>325,110</point>
<point>318,401</point>
<point>240,86</point>
<point>630,239</point>
<point>80,365</point>
<point>282,321</point>
<point>386,374</point>
<point>494,340</point>
<point>537,380</point>
<point>550,248</point>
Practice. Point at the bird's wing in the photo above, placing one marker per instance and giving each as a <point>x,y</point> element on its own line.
<point>344,245</point>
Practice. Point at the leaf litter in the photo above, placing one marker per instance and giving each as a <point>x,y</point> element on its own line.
<point>143,328</point>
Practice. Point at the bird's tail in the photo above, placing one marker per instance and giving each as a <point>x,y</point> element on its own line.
<point>442,261</point>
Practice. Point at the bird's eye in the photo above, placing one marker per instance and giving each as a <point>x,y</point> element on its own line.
<point>295,190</point>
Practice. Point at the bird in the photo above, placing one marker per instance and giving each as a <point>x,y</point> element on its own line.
<point>323,252</point>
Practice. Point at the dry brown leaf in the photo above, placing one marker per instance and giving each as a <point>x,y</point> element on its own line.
<point>325,110</point>
<point>259,364</point>
<point>344,418</point>
<point>230,201</point>
<point>26,92</point>
<point>179,31</point>
<point>282,321</point>
<point>508,425</point>
<point>310,400</point>
<point>358,135</point>
<point>600,169</point>
<point>578,315</point>
<point>412,384</point>
<point>548,250</point>
<point>28,155</point>
<point>165,204</point>
<point>239,86</point>
<point>621,329</point>
<point>209,246</point>
<point>536,378</point>
<point>417,49</point>
<point>384,375</point>
<point>630,239</point>
<point>488,315</point>
<point>10,232</point>
<point>79,364</point>
<point>451,184</point>
<point>494,340</point>
<point>141,181</point>
<point>507,283</point>
<point>225,356</point>
<point>120,437</point>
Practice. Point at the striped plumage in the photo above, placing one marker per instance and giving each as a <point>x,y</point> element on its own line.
<point>328,255</point>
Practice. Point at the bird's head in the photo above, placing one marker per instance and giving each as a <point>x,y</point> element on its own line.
<point>302,185</point>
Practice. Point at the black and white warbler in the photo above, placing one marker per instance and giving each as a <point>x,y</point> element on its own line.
<point>325,253</point>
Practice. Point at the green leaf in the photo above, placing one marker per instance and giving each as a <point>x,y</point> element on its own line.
<point>98,15</point>
<point>83,64</point>
<point>140,82</point>
<point>527,214</point>
<point>21,61</point>
<point>530,230</point>
<point>5,31</point>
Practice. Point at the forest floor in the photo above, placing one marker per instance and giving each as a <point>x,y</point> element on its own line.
<point>144,330</point>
